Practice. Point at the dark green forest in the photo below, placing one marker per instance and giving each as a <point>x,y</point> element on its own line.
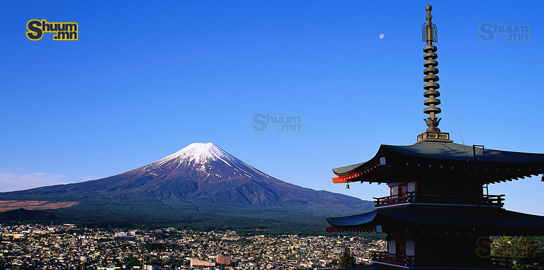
<point>522,252</point>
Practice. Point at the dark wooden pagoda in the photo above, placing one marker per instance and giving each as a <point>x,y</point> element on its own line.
<point>439,214</point>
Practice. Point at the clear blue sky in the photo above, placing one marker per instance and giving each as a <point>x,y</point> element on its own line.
<point>147,78</point>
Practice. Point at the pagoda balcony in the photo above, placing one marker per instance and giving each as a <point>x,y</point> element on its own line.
<point>391,258</point>
<point>440,198</point>
<point>412,261</point>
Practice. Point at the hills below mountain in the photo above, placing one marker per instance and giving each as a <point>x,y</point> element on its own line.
<point>26,215</point>
<point>200,186</point>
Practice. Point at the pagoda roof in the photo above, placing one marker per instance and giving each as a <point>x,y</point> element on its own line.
<point>444,154</point>
<point>493,220</point>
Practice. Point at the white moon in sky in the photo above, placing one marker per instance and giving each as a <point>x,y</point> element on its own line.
<point>382,36</point>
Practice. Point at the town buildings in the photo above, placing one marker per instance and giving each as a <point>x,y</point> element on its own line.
<point>63,247</point>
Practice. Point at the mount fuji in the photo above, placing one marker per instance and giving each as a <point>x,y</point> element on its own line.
<point>199,183</point>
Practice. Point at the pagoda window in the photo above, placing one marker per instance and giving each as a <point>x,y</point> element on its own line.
<point>410,248</point>
<point>394,191</point>
<point>392,247</point>
<point>400,189</point>
<point>411,187</point>
<point>399,193</point>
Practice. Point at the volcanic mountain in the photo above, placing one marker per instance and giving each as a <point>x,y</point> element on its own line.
<point>199,182</point>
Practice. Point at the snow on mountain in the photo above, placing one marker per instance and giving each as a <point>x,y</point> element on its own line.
<point>199,156</point>
<point>195,152</point>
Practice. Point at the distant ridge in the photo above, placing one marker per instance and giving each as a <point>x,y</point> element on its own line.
<point>199,183</point>
<point>22,214</point>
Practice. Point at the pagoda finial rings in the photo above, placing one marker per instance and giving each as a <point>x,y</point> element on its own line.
<point>430,77</point>
<point>431,93</point>
<point>429,47</point>
<point>429,110</point>
<point>430,85</point>
<point>430,63</point>
<point>430,101</point>
<point>430,70</point>
<point>432,55</point>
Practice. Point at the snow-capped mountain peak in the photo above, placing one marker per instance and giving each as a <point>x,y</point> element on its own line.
<point>203,157</point>
<point>197,152</point>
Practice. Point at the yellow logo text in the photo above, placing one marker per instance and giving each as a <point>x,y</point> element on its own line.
<point>483,247</point>
<point>61,30</point>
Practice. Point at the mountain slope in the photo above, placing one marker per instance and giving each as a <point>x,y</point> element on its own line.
<point>199,180</point>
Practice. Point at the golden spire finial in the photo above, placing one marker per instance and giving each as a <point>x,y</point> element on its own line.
<point>429,36</point>
<point>430,71</point>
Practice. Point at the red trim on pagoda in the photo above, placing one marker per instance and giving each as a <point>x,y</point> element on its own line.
<point>351,177</point>
<point>449,158</point>
<point>393,259</point>
<point>408,262</point>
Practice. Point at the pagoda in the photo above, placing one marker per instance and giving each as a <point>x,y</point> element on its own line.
<point>439,214</point>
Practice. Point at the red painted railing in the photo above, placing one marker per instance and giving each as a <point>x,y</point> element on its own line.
<point>397,259</point>
<point>405,260</point>
<point>492,200</point>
